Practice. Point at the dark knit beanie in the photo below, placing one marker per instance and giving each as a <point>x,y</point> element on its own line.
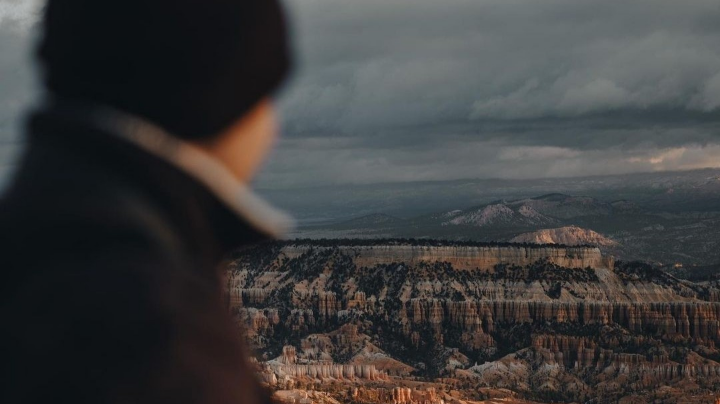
<point>192,67</point>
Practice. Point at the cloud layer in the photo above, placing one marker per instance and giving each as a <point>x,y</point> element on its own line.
<point>380,63</point>
<point>391,90</point>
<point>396,90</point>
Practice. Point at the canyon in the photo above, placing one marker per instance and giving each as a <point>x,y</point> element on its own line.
<point>418,321</point>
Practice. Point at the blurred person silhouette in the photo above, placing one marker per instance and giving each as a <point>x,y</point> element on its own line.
<point>132,190</point>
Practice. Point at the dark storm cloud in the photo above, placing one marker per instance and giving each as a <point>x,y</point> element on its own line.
<point>379,64</point>
<point>393,90</point>
<point>401,90</point>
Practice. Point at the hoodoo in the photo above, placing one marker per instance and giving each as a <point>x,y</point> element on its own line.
<point>566,318</point>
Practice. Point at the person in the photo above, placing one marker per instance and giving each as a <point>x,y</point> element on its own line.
<point>134,186</point>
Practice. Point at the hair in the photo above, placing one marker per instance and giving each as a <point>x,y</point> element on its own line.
<point>191,67</point>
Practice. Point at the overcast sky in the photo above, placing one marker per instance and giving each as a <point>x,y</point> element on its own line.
<point>404,90</point>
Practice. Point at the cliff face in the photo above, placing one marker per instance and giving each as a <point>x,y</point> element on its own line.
<point>569,235</point>
<point>580,368</point>
<point>465,257</point>
<point>563,318</point>
<point>692,321</point>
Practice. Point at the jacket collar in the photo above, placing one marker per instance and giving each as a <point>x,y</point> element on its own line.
<point>199,165</point>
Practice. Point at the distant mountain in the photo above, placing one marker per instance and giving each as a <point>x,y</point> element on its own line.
<point>680,233</point>
<point>697,190</point>
<point>531,212</point>
<point>566,206</point>
<point>501,215</point>
<point>569,235</point>
<point>624,206</point>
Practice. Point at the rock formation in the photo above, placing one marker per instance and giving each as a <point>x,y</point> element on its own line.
<point>550,323</point>
<point>464,257</point>
<point>569,235</point>
<point>399,395</point>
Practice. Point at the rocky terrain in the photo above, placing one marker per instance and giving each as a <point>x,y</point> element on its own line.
<point>407,321</point>
<point>568,235</point>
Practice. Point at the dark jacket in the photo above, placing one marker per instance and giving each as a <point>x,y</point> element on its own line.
<point>112,277</point>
